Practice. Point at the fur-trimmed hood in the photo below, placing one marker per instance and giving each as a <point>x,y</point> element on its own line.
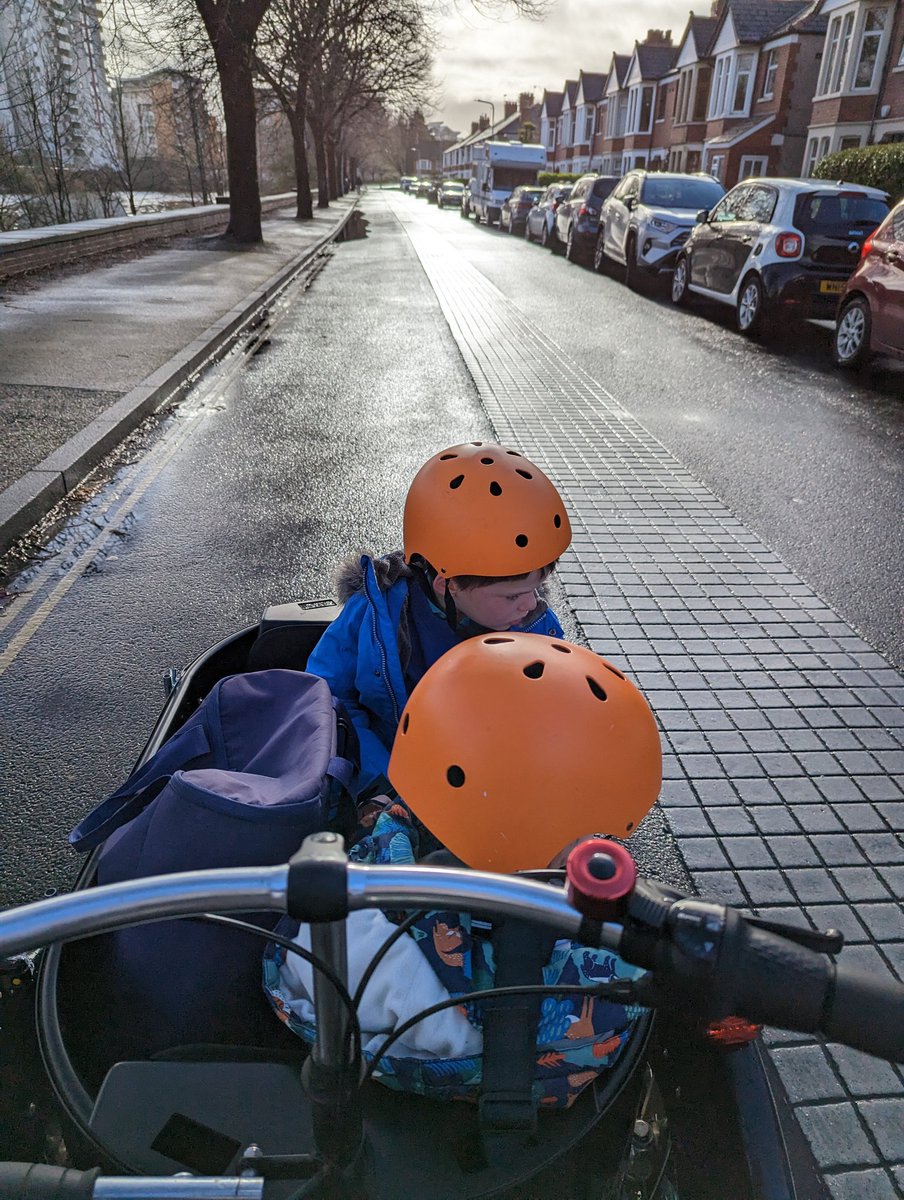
<point>348,577</point>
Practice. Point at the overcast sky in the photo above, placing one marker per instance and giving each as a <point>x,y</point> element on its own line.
<point>497,59</point>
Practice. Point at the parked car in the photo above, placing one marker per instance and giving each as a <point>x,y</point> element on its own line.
<point>424,188</point>
<point>871,310</point>
<point>433,191</point>
<point>540,222</point>
<point>773,244</point>
<point>408,182</point>
<point>577,218</point>
<point>450,194</point>
<point>647,219</point>
<point>513,215</point>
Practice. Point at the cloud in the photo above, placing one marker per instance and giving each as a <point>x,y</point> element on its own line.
<point>497,59</point>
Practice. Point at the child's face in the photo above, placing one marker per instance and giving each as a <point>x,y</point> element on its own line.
<point>498,605</point>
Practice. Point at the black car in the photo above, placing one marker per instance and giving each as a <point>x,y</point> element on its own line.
<point>577,218</point>
<point>778,244</point>
<point>514,211</point>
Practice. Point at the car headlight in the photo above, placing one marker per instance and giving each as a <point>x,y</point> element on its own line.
<point>663,226</point>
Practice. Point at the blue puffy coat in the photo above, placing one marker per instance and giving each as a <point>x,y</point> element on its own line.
<point>365,653</point>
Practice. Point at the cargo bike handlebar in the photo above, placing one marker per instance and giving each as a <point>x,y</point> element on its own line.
<point>711,959</point>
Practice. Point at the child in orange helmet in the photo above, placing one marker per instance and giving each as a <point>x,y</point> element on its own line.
<point>483,528</point>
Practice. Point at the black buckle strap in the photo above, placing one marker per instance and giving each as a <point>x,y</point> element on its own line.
<point>507,1101</point>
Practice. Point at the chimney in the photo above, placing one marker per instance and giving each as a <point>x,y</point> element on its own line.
<point>525,103</point>
<point>656,37</point>
<point>510,107</point>
<point>483,123</point>
<point>474,126</point>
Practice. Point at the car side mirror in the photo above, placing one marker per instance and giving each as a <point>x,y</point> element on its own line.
<point>631,203</point>
<point>486,187</point>
<point>702,216</point>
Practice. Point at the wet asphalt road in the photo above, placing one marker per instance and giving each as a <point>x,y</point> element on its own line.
<point>266,478</point>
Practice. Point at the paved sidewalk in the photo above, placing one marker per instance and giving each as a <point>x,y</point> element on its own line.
<point>84,358</point>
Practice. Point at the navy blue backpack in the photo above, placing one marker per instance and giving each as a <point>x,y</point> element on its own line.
<point>266,759</point>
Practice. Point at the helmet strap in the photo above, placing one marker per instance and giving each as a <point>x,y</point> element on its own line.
<point>425,575</point>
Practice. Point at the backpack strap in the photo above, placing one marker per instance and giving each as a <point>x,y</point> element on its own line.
<point>188,743</point>
<point>507,1102</point>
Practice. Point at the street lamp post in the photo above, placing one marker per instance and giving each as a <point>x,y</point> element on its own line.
<point>477,100</point>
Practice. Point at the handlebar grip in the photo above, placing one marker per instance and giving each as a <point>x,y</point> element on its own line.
<point>867,1012</point>
<point>36,1181</point>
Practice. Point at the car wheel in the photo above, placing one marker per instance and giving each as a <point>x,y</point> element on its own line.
<point>631,271</point>
<point>546,236</point>
<point>680,280</point>
<point>599,253</point>
<point>463,213</point>
<point>751,309</point>
<point>571,249</point>
<point>511,226</point>
<point>851,343</point>
<point>527,236</point>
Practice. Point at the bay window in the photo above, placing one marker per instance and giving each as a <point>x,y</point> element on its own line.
<point>870,41</point>
<point>742,80</point>
<point>769,75</point>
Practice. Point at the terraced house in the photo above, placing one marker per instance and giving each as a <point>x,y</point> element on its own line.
<point>754,87</point>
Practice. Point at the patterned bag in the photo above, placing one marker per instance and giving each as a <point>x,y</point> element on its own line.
<point>578,1037</point>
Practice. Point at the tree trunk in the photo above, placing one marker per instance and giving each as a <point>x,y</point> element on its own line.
<point>305,201</point>
<point>231,29</point>
<point>323,181</point>
<point>236,81</point>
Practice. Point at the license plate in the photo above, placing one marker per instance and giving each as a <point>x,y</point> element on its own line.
<point>833,287</point>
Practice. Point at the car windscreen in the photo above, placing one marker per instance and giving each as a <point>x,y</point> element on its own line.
<point>530,194</point>
<point>692,194</point>
<point>839,214</point>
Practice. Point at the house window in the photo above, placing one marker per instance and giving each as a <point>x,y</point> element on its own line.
<point>839,43</point>
<point>661,95</point>
<point>701,91</point>
<point>753,165</point>
<point>901,56</point>
<point>588,124</point>
<point>769,75</point>
<point>849,143</point>
<point>742,81</point>
<point>720,83</point>
<point>873,29</point>
<point>717,166</point>
<point>817,148</point>
<point>646,109</point>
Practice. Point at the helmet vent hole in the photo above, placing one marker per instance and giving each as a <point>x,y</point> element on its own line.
<point>497,641</point>
<point>521,540</point>
<point>457,481</point>
<point>629,826</point>
<point>614,670</point>
<point>514,453</point>
<point>596,689</point>
<point>561,649</point>
<point>534,670</point>
<point>446,457</point>
<point>557,521</point>
<point>455,776</point>
<point>523,474</point>
<point>487,462</point>
<point>406,721</point>
<point>495,489</point>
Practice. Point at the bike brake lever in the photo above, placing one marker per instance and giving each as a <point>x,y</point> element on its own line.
<point>829,942</point>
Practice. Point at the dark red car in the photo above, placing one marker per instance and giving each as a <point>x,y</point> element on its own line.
<point>871,312</point>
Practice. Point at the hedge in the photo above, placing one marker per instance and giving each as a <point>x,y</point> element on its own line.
<point>545,178</point>
<point>874,166</point>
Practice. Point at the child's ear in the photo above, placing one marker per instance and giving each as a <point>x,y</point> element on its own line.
<point>439,586</point>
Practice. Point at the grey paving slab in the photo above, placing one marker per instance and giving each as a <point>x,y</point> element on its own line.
<point>783,732</point>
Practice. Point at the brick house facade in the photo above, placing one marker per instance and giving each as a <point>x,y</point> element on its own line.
<point>858,97</point>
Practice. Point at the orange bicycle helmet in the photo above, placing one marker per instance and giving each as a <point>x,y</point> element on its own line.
<point>513,745</point>
<point>482,509</point>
